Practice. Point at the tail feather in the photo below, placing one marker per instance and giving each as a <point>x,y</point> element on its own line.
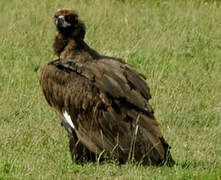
<point>168,160</point>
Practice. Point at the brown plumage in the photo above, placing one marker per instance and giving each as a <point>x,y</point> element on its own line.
<point>105,99</point>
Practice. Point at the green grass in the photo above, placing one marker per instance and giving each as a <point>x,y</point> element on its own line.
<point>176,44</point>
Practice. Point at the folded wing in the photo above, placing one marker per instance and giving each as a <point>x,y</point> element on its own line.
<point>107,101</point>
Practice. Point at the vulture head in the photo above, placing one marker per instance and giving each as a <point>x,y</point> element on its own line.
<point>68,24</point>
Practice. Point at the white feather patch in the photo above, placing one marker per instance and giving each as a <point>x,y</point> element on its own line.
<point>68,119</point>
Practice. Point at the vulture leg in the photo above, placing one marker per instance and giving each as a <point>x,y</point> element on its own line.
<point>79,152</point>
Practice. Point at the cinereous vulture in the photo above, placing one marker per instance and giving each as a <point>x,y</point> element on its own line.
<point>102,102</point>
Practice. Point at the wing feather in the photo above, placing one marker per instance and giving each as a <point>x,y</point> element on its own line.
<point>104,99</point>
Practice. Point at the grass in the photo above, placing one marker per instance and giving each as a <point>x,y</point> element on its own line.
<point>176,44</point>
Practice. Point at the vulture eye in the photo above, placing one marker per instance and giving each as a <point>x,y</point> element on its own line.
<point>69,18</point>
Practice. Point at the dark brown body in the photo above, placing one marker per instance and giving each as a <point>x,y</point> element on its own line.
<point>107,101</point>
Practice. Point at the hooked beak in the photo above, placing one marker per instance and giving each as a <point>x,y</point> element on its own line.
<point>60,22</point>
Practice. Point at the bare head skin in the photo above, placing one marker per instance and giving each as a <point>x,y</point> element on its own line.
<point>70,31</point>
<point>67,22</point>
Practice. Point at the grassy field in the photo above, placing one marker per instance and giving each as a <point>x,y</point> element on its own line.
<point>176,44</point>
